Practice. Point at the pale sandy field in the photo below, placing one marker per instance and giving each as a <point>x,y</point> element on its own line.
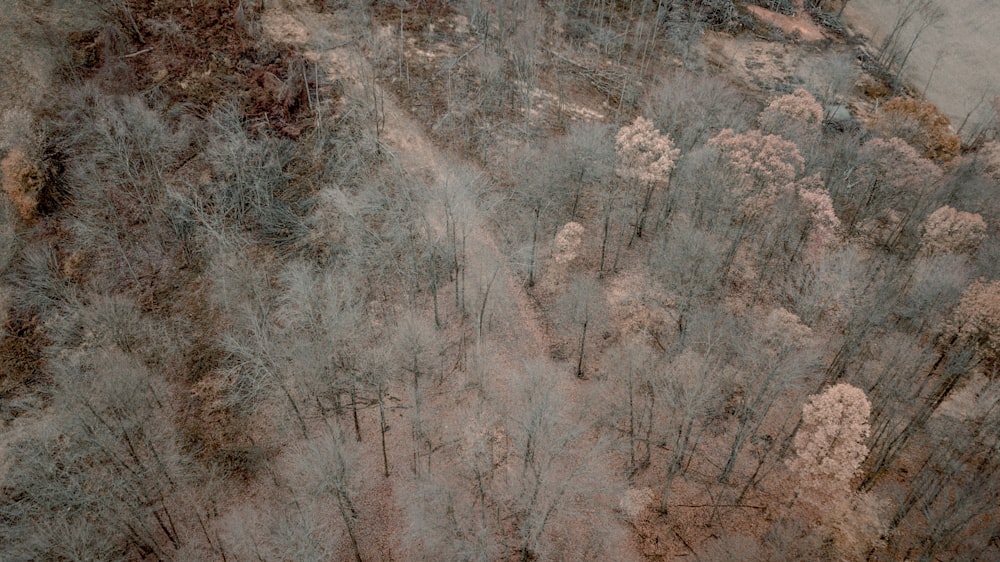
<point>955,62</point>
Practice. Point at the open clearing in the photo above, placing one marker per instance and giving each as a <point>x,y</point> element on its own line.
<point>953,64</point>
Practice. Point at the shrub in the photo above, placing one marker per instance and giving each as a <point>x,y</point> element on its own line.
<point>798,111</point>
<point>568,241</point>
<point>786,7</point>
<point>23,182</point>
<point>921,124</point>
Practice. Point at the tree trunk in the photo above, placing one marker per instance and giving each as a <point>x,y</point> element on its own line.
<point>354,412</point>
<point>534,244</point>
<point>382,429</point>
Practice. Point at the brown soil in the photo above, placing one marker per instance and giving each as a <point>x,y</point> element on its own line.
<point>800,27</point>
<point>200,56</point>
<point>21,360</point>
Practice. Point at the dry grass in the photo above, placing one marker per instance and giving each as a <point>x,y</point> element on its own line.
<point>23,182</point>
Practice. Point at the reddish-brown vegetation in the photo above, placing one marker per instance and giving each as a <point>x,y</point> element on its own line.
<point>29,183</point>
<point>921,124</point>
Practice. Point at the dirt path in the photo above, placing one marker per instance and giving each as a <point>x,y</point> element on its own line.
<point>514,331</point>
<point>800,25</point>
<point>954,63</point>
<point>418,157</point>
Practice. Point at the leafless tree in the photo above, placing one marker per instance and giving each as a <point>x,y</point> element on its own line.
<point>779,355</point>
<point>109,479</point>
<point>417,351</point>
<point>583,307</point>
<point>689,386</point>
<point>914,16</point>
<point>686,261</point>
<point>692,107</point>
<point>629,374</point>
<point>525,475</point>
<point>322,333</point>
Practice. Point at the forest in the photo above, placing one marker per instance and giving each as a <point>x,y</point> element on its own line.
<point>492,280</point>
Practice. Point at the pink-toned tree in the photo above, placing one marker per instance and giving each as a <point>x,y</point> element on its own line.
<point>829,449</point>
<point>644,154</point>
<point>950,231</point>
<point>765,163</point>
<point>893,165</point>
<point>762,184</point>
<point>830,444</point>
<point>988,160</point>
<point>797,113</point>
<point>826,227</point>
<point>646,159</point>
<point>976,320</point>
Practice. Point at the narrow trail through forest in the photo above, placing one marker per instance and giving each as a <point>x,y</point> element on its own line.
<point>419,158</point>
<point>520,341</point>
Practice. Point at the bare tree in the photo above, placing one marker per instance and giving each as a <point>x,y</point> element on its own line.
<point>585,159</point>
<point>327,467</point>
<point>416,353</point>
<point>629,376</point>
<point>936,286</point>
<point>949,506</point>
<point>892,182</point>
<point>321,332</point>
<point>889,380</point>
<point>108,479</point>
<point>689,388</point>
<point>583,307</point>
<point>690,385</point>
<point>690,107</point>
<point>256,361</point>
<point>913,16</point>
<point>774,362</point>
<point>833,79</point>
<point>459,215</point>
<point>686,261</point>
<point>526,474</point>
